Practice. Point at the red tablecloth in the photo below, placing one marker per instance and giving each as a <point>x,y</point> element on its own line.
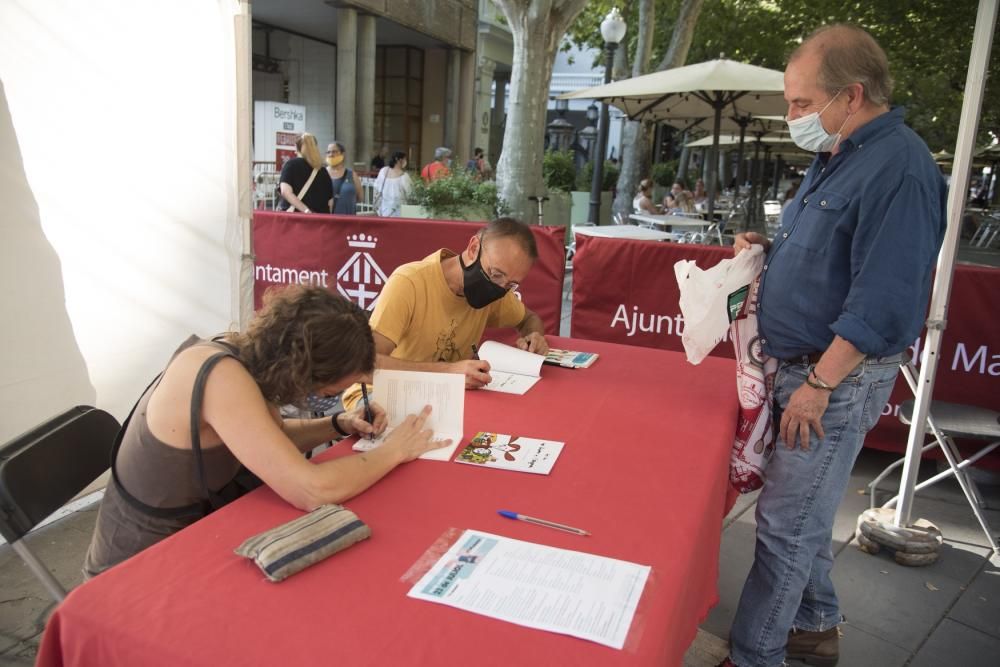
<point>644,469</point>
<point>625,292</point>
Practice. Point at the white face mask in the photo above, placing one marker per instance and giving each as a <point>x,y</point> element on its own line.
<point>809,134</point>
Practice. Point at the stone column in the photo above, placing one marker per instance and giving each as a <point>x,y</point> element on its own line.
<point>481,130</point>
<point>453,90</point>
<point>365,148</point>
<point>347,71</point>
<point>466,100</point>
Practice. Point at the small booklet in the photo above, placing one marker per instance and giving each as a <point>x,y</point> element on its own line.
<point>570,358</point>
<point>514,371</point>
<point>404,393</point>
<point>511,452</point>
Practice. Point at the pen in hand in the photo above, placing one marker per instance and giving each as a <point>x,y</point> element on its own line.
<point>507,514</point>
<point>475,352</point>
<point>369,415</point>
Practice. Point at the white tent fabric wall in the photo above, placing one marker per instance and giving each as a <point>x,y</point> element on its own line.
<point>128,120</point>
<point>982,40</point>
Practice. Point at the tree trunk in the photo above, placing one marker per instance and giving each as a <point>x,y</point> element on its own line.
<point>636,135</point>
<point>537,27</point>
<point>680,40</point>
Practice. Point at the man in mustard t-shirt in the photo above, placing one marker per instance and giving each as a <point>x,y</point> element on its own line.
<point>431,312</point>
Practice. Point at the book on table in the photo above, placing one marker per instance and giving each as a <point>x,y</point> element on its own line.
<point>403,393</point>
<point>510,452</point>
<point>513,371</point>
<point>570,358</point>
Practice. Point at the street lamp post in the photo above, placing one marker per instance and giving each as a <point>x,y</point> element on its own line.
<point>612,30</point>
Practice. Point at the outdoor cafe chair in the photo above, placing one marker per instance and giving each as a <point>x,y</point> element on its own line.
<point>946,421</point>
<point>43,469</point>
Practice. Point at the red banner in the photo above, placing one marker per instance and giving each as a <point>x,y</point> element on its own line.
<point>625,292</point>
<point>354,255</point>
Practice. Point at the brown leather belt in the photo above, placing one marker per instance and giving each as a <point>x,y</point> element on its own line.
<point>807,358</point>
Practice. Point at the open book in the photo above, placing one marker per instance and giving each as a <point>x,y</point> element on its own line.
<point>570,358</point>
<point>404,393</point>
<point>513,371</point>
<point>511,452</point>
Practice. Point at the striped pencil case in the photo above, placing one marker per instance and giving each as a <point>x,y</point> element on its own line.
<point>284,550</point>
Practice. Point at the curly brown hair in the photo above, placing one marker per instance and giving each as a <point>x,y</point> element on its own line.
<point>302,338</point>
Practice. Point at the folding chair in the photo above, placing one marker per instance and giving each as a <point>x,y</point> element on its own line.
<point>945,421</point>
<point>43,469</point>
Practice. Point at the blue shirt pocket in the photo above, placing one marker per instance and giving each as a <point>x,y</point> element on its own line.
<point>815,223</point>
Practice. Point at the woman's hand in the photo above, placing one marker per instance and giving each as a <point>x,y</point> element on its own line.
<point>354,421</point>
<point>412,439</point>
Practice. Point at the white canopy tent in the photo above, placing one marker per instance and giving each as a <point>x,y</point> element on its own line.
<point>937,318</point>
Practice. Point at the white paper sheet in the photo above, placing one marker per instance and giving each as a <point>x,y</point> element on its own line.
<point>514,371</point>
<point>573,593</point>
<point>404,393</point>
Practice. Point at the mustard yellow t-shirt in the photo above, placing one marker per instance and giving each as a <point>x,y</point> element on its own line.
<point>427,321</point>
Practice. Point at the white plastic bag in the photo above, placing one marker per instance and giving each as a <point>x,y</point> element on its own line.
<point>721,300</point>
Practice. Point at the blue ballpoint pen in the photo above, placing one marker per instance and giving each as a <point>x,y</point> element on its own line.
<point>369,415</point>
<point>541,522</point>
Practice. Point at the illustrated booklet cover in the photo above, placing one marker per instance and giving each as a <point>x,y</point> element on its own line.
<point>511,452</point>
<point>570,358</point>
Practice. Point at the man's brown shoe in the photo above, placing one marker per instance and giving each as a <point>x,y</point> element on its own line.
<point>819,649</point>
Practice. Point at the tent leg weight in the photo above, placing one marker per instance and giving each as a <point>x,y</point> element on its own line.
<point>917,544</point>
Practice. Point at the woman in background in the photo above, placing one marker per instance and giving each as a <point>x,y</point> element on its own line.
<point>642,203</point>
<point>304,184</point>
<point>392,186</point>
<point>346,184</point>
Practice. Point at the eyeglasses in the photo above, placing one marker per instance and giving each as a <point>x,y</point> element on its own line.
<point>333,152</point>
<point>496,276</point>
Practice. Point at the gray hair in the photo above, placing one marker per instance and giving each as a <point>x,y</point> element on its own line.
<point>848,55</point>
<point>441,152</point>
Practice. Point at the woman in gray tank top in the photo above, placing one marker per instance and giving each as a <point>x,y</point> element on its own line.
<point>213,412</point>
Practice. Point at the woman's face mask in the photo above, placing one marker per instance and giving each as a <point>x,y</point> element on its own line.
<point>335,160</point>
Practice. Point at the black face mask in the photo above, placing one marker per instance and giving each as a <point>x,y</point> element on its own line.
<point>479,290</point>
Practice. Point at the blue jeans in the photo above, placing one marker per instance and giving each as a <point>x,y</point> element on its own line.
<point>789,584</point>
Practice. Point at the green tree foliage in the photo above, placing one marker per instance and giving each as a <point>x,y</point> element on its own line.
<point>927,41</point>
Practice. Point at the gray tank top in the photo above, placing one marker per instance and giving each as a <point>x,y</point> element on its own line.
<point>157,475</point>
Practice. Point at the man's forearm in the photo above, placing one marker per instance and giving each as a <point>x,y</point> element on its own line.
<point>838,360</point>
<point>531,323</point>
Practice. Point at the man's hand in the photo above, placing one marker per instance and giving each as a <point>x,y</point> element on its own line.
<point>533,342</point>
<point>805,410</point>
<point>743,241</point>
<point>476,372</point>
<point>354,421</point>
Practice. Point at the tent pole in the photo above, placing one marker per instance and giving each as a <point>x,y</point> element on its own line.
<point>713,161</point>
<point>982,40</point>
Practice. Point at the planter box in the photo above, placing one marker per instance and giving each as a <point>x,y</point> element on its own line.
<point>557,209</point>
<point>581,208</point>
<point>469,213</point>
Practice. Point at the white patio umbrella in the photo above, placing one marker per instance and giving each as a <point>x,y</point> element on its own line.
<point>708,90</point>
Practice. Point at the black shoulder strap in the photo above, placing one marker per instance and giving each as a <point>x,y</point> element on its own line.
<point>197,397</point>
<point>209,500</point>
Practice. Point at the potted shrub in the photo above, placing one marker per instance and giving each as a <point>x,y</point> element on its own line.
<point>455,197</point>
<point>559,172</point>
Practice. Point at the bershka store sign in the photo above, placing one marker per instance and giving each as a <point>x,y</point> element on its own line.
<point>354,255</point>
<point>625,292</point>
<point>276,127</point>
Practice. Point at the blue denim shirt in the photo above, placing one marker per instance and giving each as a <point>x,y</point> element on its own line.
<point>856,248</point>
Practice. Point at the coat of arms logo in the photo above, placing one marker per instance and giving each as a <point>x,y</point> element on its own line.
<point>361,278</point>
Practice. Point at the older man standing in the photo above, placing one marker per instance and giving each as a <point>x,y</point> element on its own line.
<point>843,292</point>
<point>439,168</point>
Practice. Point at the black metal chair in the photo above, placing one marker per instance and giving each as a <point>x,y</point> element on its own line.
<point>44,468</point>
